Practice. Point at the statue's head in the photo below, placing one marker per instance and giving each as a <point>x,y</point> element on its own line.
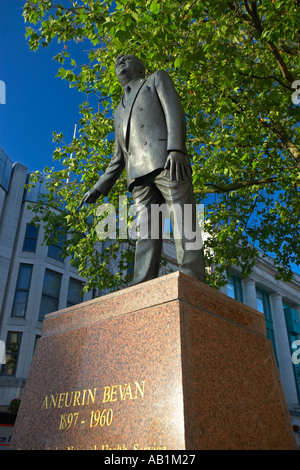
<point>128,67</point>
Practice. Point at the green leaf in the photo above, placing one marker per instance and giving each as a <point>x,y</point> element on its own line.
<point>155,7</point>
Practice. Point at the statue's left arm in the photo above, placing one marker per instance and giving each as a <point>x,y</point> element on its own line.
<point>173,110</point>
<point>177,160</point>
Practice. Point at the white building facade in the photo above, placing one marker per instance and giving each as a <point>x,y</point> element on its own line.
<point>36,280</point>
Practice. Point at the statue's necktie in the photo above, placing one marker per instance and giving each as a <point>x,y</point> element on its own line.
<point>126,94</point>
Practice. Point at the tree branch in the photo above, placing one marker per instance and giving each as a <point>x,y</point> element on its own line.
<point>258,26</point>
<point>270,77</point>
<point>286,142</point>
<point>284,70</point>
<point>237,185</point>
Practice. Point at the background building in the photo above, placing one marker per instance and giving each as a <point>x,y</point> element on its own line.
<point>36,280</point>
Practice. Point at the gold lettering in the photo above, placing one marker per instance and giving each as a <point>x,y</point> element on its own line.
<point>113,395</point>
<point>83,398</point>
<point>122,391</point>
<point>92,396</point>
<point>76,398</point>
<point>106,394</point>
<point>138,389</point>
<point>53,401</point>
<point>45,403</point>
<point>61,400</point>
<point>127,392</point>
<point>66,399</point>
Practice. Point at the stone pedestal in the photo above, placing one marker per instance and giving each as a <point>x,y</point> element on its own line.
<point>169,364</point>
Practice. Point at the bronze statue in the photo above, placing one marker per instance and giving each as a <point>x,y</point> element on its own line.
<point>150,142</point>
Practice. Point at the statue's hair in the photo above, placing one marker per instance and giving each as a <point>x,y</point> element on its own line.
<point>143,69</point>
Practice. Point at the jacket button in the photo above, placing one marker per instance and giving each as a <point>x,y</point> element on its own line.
<point>145,143</point>
<point>141,109</point>
<point>141,125</point>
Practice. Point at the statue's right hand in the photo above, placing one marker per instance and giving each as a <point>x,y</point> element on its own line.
<point>90,197</point>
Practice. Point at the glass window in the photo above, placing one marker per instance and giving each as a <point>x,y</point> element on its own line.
<point>55,250</point>
<point>22,290</point>
<point>260,302</point>
<point>13,343</point>
<point>50,294</point>
<point>51,284</point>
<point>293,329</point>
<point>234,287</point>
<point>31,236</point>
<point>263,306</point>
<point>6,165</point>
<point>74,292</point>
<point>230,288</point>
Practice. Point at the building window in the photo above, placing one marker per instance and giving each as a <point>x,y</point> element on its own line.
<point>293,329</point>
<point>13,342</point>
<point>75,295</point>
<point>50,294</point>
<point>234,287</point>
<point>31,236</point>
<point>22,290</point>
<point>55,250</point>
<point>263,306</point>
<point>6,166</point>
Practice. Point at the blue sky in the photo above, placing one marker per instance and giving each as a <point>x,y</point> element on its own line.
<point>37,103</point>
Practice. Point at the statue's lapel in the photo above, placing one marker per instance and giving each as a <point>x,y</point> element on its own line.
<point>130,102</point>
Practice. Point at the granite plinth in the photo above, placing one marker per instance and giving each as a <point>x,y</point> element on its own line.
<point>167,364</point>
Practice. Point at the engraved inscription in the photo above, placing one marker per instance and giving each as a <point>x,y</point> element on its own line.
<point>101,418</point>
<point>123,392</point>
<point>72,417</point>
<point>99,414</point>
<point>74,398</point>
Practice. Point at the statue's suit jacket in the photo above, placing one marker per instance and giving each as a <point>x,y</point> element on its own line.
<point>148,124</point>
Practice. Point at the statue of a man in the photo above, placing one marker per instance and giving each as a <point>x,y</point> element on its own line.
<point>150,142</point>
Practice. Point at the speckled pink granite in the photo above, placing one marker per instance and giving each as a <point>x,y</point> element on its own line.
<point>168,364</point>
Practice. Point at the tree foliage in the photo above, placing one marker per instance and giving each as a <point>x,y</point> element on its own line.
<point>235,65</point>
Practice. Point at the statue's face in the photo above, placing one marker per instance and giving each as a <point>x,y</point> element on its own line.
<point>127,68</point>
